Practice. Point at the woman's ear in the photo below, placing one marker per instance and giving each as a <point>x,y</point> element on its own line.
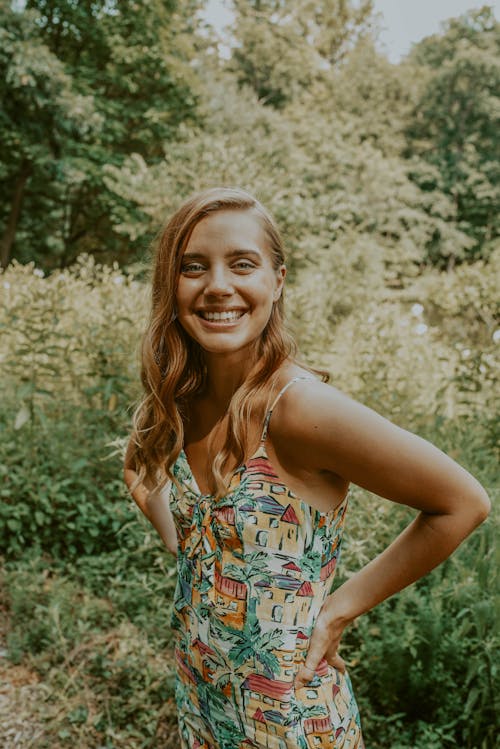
<point>280,280</point>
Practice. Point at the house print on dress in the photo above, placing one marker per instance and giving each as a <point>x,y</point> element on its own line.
<point>254,568</point>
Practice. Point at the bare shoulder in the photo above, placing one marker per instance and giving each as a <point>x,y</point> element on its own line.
<point>311,410</point>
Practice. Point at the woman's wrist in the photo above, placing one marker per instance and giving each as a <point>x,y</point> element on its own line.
<point>339,607</point>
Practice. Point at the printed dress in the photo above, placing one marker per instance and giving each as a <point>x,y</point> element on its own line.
<point>254,568</point>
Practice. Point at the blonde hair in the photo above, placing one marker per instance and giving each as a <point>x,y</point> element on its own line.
<point>172,367</point>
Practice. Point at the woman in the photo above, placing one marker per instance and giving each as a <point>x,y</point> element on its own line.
<point>254,506</point>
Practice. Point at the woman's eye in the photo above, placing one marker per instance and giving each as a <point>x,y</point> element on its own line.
<point>192,268</point>
<point>244,265</point>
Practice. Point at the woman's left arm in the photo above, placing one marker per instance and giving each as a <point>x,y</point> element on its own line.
<point>353,441</point>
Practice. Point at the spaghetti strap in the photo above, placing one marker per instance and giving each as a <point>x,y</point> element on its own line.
<point>273,404</point>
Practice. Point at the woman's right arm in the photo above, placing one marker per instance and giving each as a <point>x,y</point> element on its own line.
<point>153,504</point>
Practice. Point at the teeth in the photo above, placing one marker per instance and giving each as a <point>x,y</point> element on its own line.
<point>222,316</point>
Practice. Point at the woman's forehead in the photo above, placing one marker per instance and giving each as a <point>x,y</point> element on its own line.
<point>228,229</point>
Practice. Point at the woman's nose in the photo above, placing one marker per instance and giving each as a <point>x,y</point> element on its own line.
<point>219,281</point>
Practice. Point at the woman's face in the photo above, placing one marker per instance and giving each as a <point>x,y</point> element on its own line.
<point>227,283</point>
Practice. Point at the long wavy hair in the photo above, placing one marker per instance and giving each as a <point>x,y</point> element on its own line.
<point>173,370</point>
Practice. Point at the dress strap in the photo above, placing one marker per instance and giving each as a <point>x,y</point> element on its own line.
<point>283,389</point>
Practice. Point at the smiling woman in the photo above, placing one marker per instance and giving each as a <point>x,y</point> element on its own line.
<point>225,293</point>
<point>242,458</point>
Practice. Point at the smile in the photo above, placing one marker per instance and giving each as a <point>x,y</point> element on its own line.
<point>229,316</point>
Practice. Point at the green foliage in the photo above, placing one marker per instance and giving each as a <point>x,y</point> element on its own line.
<point>283,48</point>
<point>436,645</point>
<point>114,112</point>
<point>100,670</point>
<point>43,117</point>
<point>68,350</point>
<point>73,77</point>
<point>454,128</point>
<point>92,618</point>
<point>59,494</point>
<point>380,175</point>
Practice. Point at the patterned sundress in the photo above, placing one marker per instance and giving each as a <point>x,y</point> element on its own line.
<point>254,569</point>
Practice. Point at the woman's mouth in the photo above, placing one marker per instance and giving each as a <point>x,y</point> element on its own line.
<point>229,316</point>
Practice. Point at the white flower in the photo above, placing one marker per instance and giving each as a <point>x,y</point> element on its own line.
<point>118,280</point>
<point>38,272</point>
<point>417,310</point>
<point>466,353</point>
<point>421,328</point>
<point>6,285</point>
<point>371,319</point>
<point>496,335</point>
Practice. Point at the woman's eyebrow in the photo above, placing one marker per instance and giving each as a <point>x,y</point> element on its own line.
<point>239,253</point>
<point>231,253</point>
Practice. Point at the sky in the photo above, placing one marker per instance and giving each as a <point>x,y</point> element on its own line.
<point>403,21</point>
<point>408,21</point>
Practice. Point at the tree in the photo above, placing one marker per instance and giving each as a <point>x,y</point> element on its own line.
<point>281,48</point>
<point>41,118</point>
<point>454,128</point>
<point>127,61</point>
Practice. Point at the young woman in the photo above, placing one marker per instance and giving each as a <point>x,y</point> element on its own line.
<point>241,458</point>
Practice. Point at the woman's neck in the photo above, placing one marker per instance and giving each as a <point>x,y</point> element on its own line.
<point>225,374</point>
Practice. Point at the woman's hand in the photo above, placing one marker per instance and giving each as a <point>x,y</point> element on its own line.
<point>324,644</point>
<point>153,503</point>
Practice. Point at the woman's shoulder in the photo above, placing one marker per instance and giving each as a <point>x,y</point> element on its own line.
<point>308,404</point>
<point>311,422</point>
<point>316,417</point>
<point>308,391</point>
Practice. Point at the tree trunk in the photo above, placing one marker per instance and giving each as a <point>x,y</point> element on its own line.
<point>9,235</point>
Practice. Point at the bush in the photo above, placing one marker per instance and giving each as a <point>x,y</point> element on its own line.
<point>66,359</point>
<point>428,654</point>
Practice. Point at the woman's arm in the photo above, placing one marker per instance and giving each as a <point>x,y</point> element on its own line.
<point>331,432</point>
<point>153,504</point>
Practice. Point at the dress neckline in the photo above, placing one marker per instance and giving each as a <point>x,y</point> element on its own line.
<point>261,452</point>
<point>233,473</point>
<point>262,443</point>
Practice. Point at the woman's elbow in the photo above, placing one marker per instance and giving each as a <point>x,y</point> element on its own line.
<point>169,540</point>
<point>483,506</point>
<point>478,507</point>
<point>138,491</point>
